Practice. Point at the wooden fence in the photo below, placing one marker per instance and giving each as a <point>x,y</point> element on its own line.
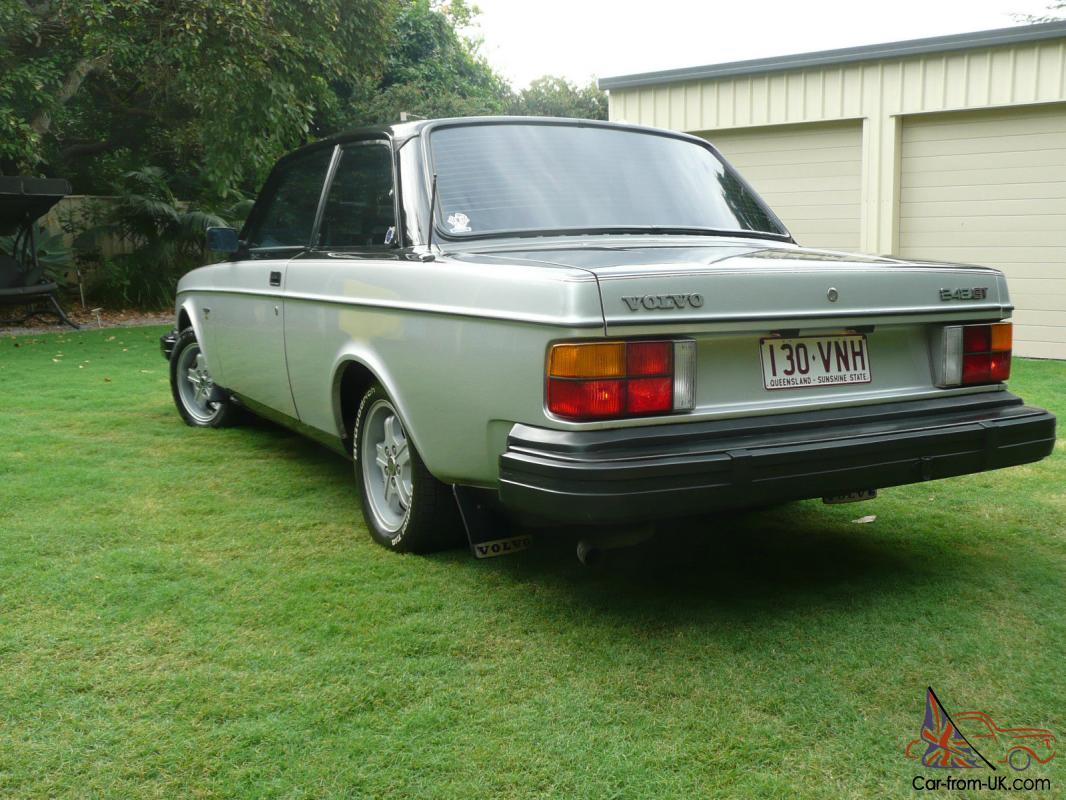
<point>79,212</point>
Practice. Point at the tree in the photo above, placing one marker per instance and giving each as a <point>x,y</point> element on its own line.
<point>211,90</point>
<point>1058,13</point>
<point>214,91</point>
<point>552,96</point>
<point>434,68</point>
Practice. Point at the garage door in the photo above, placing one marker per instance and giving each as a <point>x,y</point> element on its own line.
<point>809,174</point>
<point>990,188</point>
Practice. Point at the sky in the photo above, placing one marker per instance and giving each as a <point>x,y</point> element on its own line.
<point>582,39</point>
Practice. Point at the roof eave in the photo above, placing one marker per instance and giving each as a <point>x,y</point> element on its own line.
<point>1018,34</point>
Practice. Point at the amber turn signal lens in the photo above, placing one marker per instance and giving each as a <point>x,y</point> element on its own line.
<point>1002,337</point>
<point>588,360</point>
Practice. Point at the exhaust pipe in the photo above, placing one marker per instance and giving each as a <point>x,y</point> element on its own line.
<point>590,549</point>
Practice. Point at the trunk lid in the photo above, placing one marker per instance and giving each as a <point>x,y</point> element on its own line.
<point>744,288</point>
<point>697,284</point>
<point>734,296</point>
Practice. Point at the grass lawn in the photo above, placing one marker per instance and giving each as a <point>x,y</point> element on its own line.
<point>201,613</point>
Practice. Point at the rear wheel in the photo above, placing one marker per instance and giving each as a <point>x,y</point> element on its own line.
<point>198,400</point>
<point>405,507</point>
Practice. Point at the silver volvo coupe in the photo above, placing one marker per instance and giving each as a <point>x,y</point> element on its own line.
<point>563,321</point>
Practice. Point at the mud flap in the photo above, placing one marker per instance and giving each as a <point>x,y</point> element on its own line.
<point>489,533</point>
<point>850,497</point>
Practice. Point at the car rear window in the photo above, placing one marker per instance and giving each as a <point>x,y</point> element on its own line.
<point>502,178</point>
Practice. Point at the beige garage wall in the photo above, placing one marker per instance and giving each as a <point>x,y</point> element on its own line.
<point>989,188</point>
<point>811,176</point>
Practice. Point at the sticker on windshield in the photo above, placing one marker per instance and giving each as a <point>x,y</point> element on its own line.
<point>390,234</point>
<point>459,222</point>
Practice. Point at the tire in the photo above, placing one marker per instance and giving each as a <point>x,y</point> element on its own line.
<point>406,509</point>
<point>191,386</point>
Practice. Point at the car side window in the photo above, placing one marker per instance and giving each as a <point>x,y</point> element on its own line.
<point>290,202</point>
<point>360,210</point>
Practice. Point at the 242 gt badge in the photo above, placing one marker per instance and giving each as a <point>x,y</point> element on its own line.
<point>976,293</point>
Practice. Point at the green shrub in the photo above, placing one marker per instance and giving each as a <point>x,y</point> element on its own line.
<point>54,257</point>
<point>158,237</point>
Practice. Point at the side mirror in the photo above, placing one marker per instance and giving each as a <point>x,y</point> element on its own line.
<point>222,240</point>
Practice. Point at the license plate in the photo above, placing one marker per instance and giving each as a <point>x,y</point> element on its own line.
<point>815,361</point>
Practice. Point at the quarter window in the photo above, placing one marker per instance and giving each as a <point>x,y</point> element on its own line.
<point>291,201</point>
<point>359,210</point>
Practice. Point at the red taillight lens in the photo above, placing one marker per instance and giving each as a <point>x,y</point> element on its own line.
<point>650,394</point>
<point>586,399</point>
<point>976,368</point>
<point>642,379</point>
<point>977,338</point>
<point>999,369</point>
<point>649,358</point>
<point>985,367</point>
<point>974,354</point>
<point>986,353</point>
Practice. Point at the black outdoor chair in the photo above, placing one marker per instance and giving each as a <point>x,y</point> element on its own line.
<point>22,280</point>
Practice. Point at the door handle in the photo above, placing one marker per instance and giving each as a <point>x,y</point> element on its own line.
<point>275,279</point>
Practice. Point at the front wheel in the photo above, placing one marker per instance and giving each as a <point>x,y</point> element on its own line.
<point>405,507</point>
<point>193,388</point>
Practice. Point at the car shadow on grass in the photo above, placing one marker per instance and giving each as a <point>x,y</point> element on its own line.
<point>746,562</point>
<point>272,437</point>
<point>744,565</point>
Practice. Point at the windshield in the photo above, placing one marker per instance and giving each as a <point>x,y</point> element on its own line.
<point>512,178</point>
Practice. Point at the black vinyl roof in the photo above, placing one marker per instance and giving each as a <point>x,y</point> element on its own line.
<point>400,132</point>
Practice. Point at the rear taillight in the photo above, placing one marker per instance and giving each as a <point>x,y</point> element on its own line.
<point>973,354</point>
<point>610,380</point>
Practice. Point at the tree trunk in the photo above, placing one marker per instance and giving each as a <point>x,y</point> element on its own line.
<point>77,75</point>
<point>85,149</point>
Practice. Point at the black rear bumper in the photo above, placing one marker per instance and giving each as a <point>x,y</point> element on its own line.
<point>656,472</point>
